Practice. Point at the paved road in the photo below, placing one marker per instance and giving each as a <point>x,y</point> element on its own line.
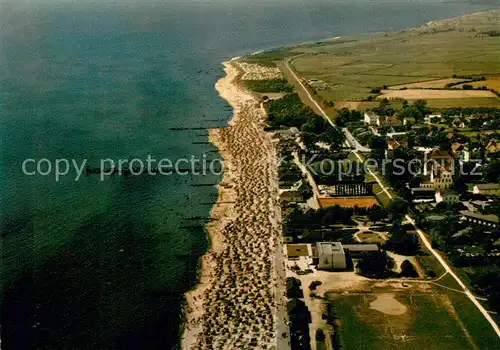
<point>282,343</point>
<point>421,234</point>
<point>354,143</point>
<point>310,178</point>
<point>349,138</point>
<point>390,134</point>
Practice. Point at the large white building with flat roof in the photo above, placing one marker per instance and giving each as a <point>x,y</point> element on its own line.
<point>334,255</point>
<point>331,256</point>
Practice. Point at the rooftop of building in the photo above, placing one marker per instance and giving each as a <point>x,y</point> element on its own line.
<point>484,217</point>
<point>489,186</point>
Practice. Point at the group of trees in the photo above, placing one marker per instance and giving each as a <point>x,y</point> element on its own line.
<point>417,110</point>
<point>272,85</point>
<point>290,111</point>
<point>378,265</point>
<point>331,173</point>
<point>378,145</point>
<point>402,242</point>
<point>471,87</point>
<point>384,108</point>
<point>487,279</point>
<point>346,116</point>
<point>397,209</point>
<point>399,171</point>
<point>311,219</point>
<point>319,130</point>
<point>300,317</point>
<point>429,137</point>
<point>450,113</point>
<point>491,172</point>
<point>408,270</point>
<point>381,265</point>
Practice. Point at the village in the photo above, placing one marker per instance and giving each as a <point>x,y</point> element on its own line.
<point>343,234</point>
<point>339,223</point>
<point>389,188</point>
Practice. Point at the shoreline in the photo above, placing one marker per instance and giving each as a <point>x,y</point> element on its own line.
<point>194,298</point>
<point>428,24</point>
<point>244,228</point>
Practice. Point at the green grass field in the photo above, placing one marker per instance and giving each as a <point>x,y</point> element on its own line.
<point>355,65</point>
<point>430,320</point>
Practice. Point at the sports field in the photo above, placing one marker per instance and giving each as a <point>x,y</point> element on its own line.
<point>406,321</point>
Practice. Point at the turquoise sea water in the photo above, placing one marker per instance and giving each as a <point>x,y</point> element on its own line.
<point>91,264</point>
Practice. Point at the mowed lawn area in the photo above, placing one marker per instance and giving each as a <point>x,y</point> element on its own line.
<point>355,67</point>
<point>408,321</point>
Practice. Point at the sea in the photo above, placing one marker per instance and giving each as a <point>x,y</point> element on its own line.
<point>91,263</point>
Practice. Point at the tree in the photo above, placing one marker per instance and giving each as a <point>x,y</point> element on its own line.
<point>384,108</point>
<point>421,106</point>
<point>397,209</point>
<point>305,190</point>
<point>408,270</point>
<point>320,335</point>
<point>376,214</point>
<point>378,144</point>
<point>460,185</point>
<point>411,112</point>
<point>492,171</point>
<point>401,242</point>
<point>377,265</point>
<point>415,182</point>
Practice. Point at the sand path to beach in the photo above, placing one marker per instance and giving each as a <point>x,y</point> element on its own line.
<point>234,305</point>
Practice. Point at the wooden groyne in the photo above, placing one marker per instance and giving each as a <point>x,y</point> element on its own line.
<point>152,171</point>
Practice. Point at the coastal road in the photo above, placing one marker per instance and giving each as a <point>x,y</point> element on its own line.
<point>310,178</point>
<point>282,343</point>
<point>421,234</point>
<point>352,142</point>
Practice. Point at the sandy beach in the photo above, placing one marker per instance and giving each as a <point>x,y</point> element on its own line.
<point>233,306</point>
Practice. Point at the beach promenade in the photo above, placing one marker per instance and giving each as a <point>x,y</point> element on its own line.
<point>235,306</point>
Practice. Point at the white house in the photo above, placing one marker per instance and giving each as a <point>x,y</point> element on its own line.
<point>408,120</point>
<point>433,118</point>
<point>371,118</point>
<point>457,123</point>
<point>331,256</point>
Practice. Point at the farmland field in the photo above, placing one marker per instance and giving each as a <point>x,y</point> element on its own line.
<point>492,82</point>
<point>424,57</point>
<point>414,94</point>
<point>431,84</point>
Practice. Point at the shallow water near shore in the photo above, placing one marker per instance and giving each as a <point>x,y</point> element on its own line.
<point>93,264</point>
